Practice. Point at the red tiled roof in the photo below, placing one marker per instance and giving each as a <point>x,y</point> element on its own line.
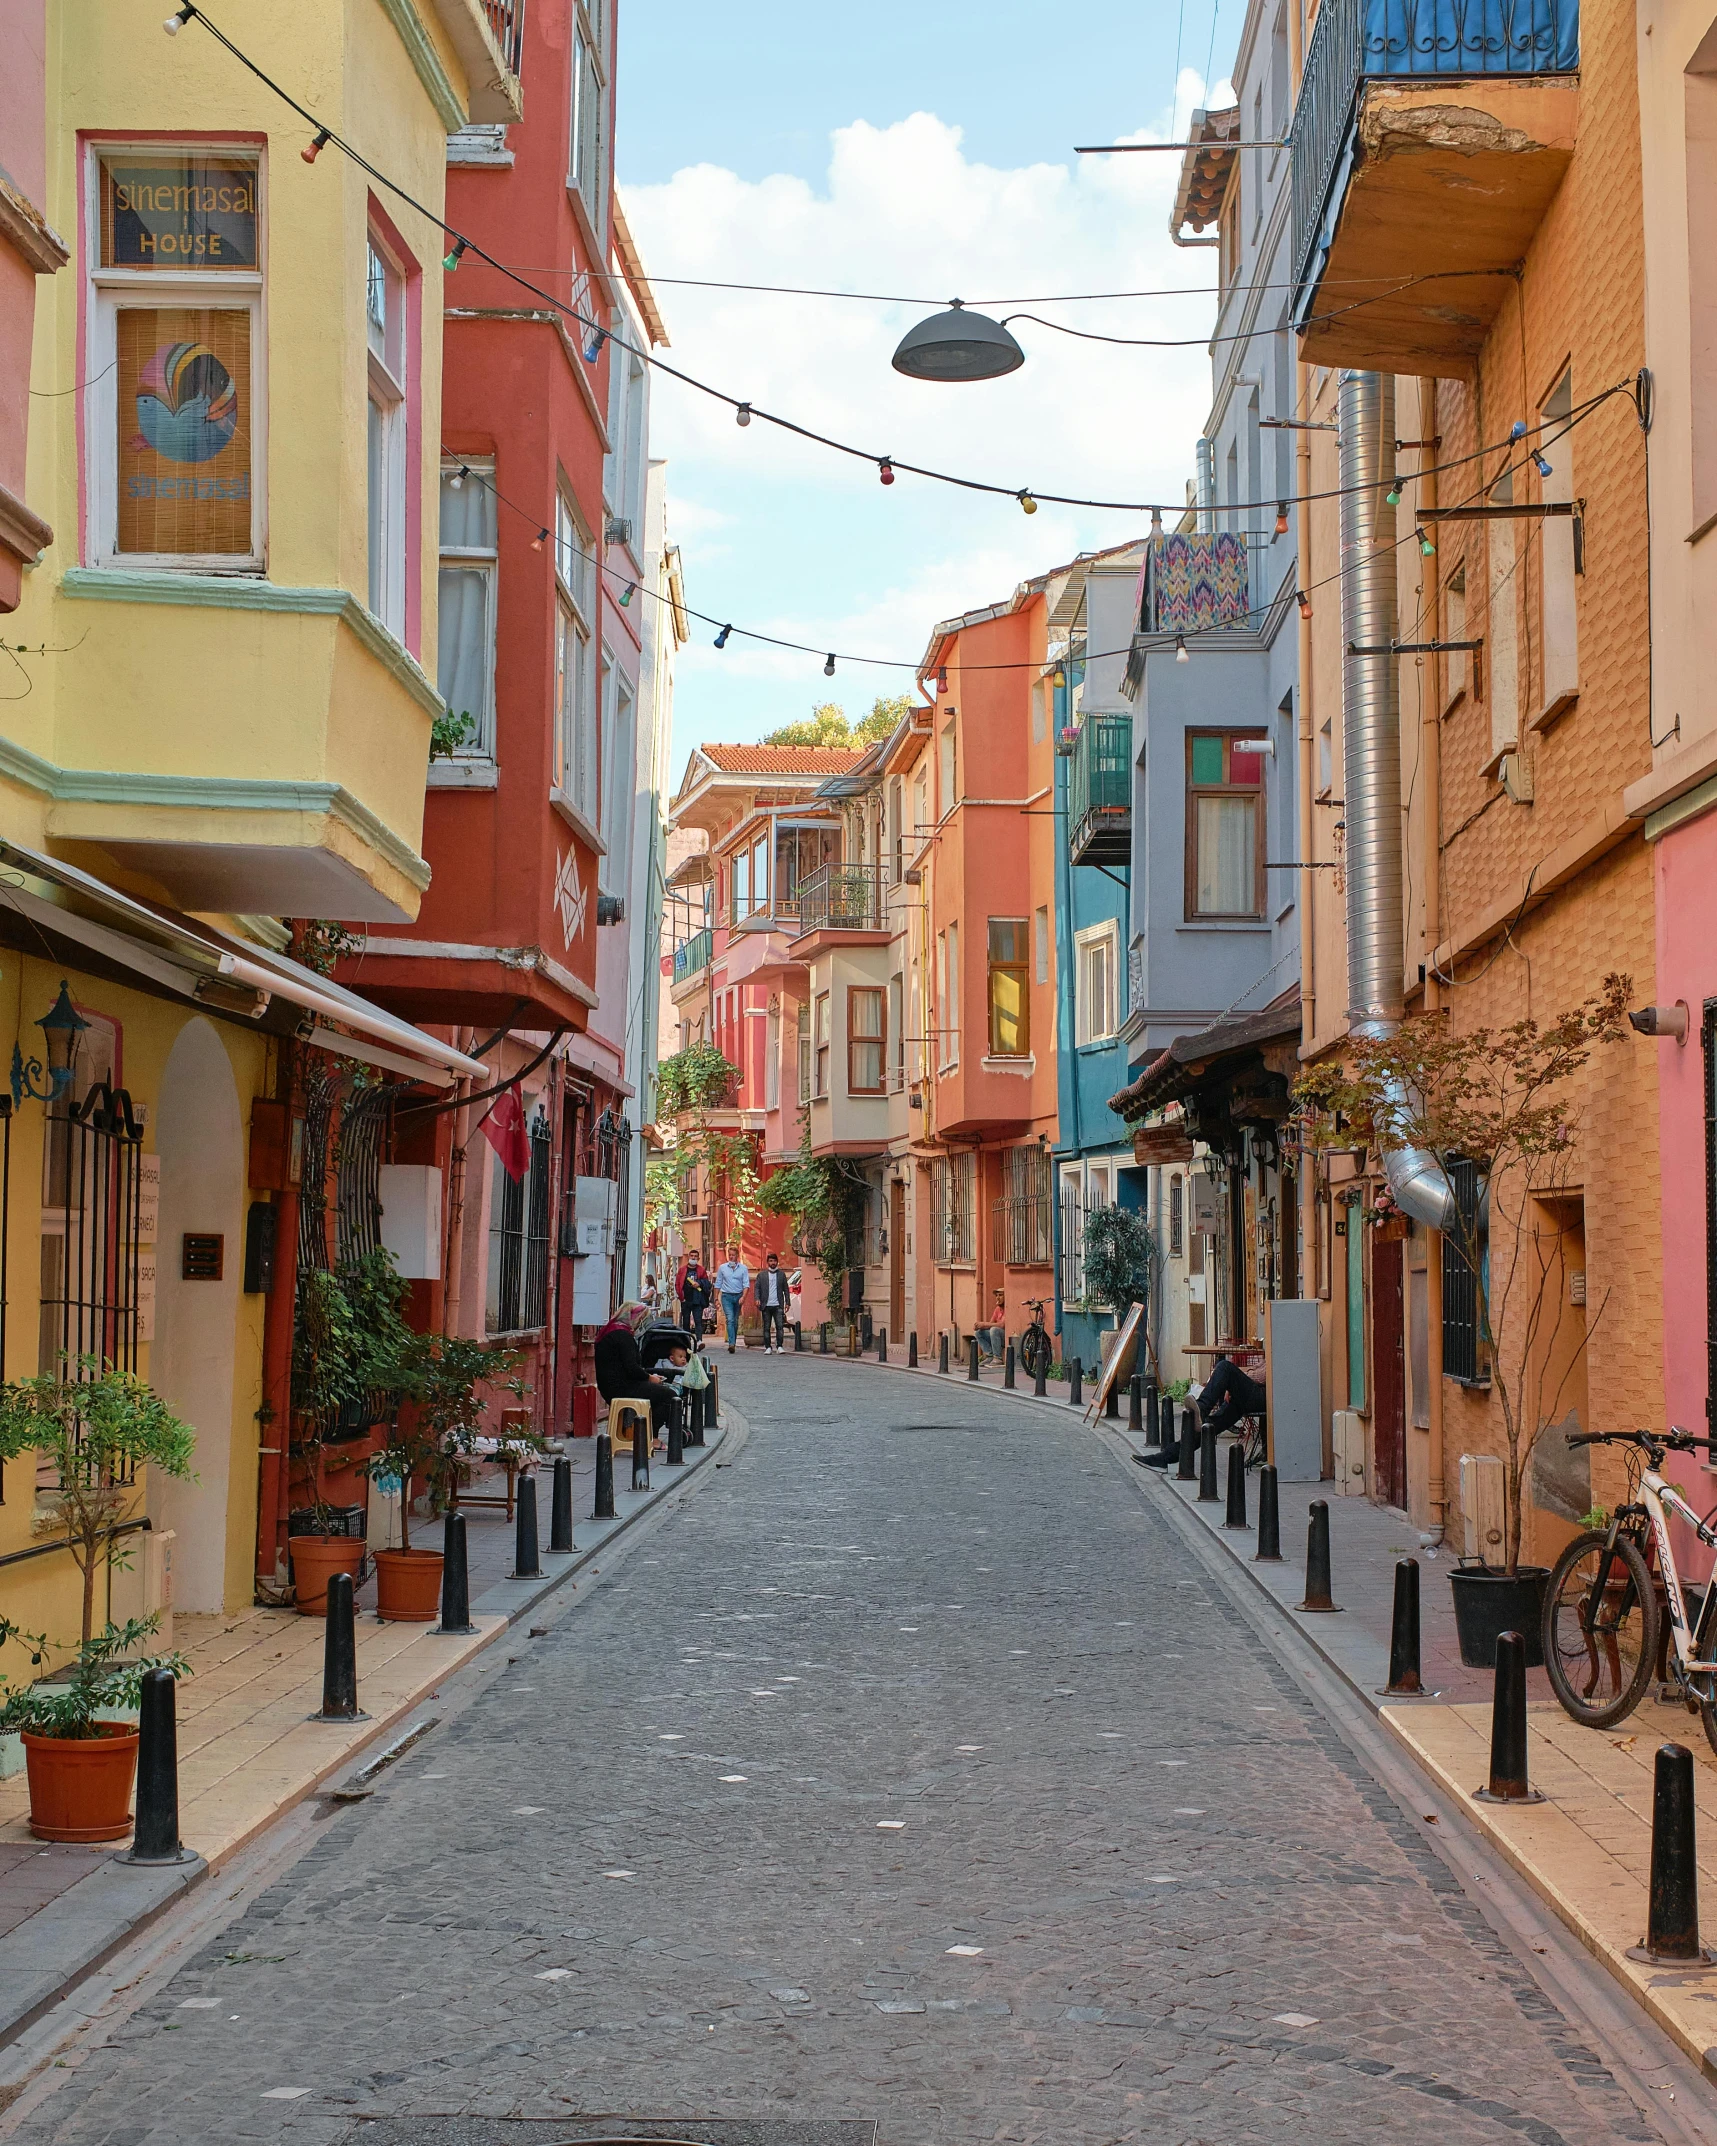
<point>781,759</point>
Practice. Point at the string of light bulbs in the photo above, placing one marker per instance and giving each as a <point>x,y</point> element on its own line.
<point>596,334</point>
<point>466,472</point>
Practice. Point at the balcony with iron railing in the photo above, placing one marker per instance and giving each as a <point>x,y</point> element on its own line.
<point>488,36</point>
<point>843,897</point>
<point>694,954</point>
<point>1100,791</point>
<point>1428,141</point>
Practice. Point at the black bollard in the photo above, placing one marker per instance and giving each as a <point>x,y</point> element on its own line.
<point>1075,1383</point>
<point>676,1440</point>
<point>1235,1517</point>
<point>1269,1550</point>
<point>1188,1470</point>
<point>942,1354</point>
<point>971,1357</point>
<point>912,1350</point>
<point>1165,1420</point>
<point>882,1345</point>
<point>823,1338</point>
<point>1150,1409</point>
<point>155,1838</point>
<point>712,1401</point>
<point>1040,1378</point>
<point>1008,1368</point>
<point>1207,1464</point>
<point>1404,1677</point>
<point>1317,1560</point>
<point>455,1577</point>
<point>641,1448</point>
<point>340,1649</point>
<point>1112,1404</point>
<point>526,1563</point>
<point>853,1338</point>
<point>692,1403</point>
<point>604,1507</point>
<point>1136,1402</point>
<point>560,1509</point>
<point>798,1337</point>
<point>1508,1782</point>
<point>1672,1918</point>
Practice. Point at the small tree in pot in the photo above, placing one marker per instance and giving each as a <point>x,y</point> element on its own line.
<point>96,1431</point>
<point>1500,1100</point>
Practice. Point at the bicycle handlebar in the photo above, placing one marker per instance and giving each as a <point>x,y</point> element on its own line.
<point>1673,1440</point>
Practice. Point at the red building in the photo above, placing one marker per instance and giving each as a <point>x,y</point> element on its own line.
<point>521,946</point>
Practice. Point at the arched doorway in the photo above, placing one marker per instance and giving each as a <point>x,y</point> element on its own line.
<point>199,1137</point>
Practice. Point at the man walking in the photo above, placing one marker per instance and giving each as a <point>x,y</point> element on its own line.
<point>732,1280</point>
<point>771,1291</point>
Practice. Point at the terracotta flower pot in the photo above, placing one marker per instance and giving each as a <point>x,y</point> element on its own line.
<point>80,1786</point>
<point>408,1586</point>
<point>314,1558</point>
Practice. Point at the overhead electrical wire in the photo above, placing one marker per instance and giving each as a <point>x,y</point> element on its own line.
<point>1028,496</point>
<point>467,472</point>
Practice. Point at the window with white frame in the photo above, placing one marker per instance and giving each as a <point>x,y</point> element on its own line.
<point>619,775</point>
<point>575,753</point>
<point>587,148</point>
<point>1096,1011</point>
<point>384,311</point>
<point>177,359</point>
<point>823,1044</point>
<point>466,598</point>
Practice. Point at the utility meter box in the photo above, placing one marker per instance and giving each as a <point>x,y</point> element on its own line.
<point>595,1204</point>
<point>411,1218</point>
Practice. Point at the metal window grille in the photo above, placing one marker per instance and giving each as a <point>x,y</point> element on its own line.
<point>1461,1359</point>
<point>1021,1221</point>
<point>952,1188</point>
<point>91,1225</point>
<point>1177,1217</point>
<point>520,1231</point>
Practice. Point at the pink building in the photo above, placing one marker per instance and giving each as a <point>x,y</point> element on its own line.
<point>29,247</point>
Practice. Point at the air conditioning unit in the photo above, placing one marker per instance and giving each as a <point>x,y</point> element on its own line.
<point>1347,1439</point>
<point>1484,1510</point>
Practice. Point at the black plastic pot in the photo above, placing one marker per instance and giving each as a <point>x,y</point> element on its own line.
<point>1490,1603</point>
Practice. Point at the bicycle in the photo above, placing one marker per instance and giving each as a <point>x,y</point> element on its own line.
<point>1035,1347</point>
<point>1603,1609</point>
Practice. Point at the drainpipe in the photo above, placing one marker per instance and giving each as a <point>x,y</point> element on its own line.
<point>1371,755</point>
<point>1206,469</point>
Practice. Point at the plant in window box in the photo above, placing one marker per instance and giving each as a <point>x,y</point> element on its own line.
<point>1502,1102</point>
<point>96,1432</point>
<point>433,1436</point>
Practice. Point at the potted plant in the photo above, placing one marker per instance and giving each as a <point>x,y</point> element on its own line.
<point>348,1338</point>
<point>96,1430</point>
<point>1499,1101</point>
<point>433,1432</point>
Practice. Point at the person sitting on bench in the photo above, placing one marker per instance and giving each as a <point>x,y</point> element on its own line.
<point>1228,1395</point>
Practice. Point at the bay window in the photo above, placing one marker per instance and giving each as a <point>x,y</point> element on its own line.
<point>867,1040</point>
<point>173,449</point>
<point>1224,827</point>
<point>465,634</point>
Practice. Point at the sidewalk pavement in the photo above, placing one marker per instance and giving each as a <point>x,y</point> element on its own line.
<point>1586,1850</point>
<point>248,1749</point>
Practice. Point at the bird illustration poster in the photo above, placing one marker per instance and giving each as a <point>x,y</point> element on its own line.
<point>184,421</point>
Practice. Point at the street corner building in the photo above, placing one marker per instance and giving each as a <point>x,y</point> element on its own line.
<point>333,795</point>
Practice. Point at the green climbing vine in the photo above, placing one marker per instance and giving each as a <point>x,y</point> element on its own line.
<point>824,1200</point>
<point>691,1084</point>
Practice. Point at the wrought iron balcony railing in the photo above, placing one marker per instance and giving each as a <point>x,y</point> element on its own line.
<point>1360,41</point>
<point>1100,791</point>
<point>693,954</point>
<point>842,897</point>
<point>506,19</point>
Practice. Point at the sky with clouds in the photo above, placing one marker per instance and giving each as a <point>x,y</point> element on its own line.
<point>923,152</point>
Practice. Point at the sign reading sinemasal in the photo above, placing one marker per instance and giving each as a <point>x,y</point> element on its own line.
<point>191,212</point>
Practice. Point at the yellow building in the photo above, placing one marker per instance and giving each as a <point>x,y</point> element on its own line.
<point>229,721</point>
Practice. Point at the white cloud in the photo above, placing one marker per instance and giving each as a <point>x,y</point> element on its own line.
<point>786,536</point>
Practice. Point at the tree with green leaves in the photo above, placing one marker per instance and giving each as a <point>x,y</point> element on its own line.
<point>827,724</point>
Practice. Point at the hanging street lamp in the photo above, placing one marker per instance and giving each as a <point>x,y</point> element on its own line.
<point>958,345</point>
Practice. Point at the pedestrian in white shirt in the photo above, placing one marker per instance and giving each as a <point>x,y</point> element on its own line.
<point>770,1290</point>
<point>732,1280</point>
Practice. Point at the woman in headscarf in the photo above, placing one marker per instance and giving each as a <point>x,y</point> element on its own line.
<point>621,1372</point>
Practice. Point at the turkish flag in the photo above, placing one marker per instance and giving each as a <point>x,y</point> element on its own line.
<point>504,1129</point>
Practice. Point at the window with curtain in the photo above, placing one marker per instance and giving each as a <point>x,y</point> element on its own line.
<point>804,1054</point>
<point>823,1044</point>
<point>385,311</point>
<point>1095,981</point>
<point>1224,827</point>
<point>465,628</point>
<point>575,751</point>
<point>1010,988</point>
<point>897,1030</point>
<point>867,1040</point>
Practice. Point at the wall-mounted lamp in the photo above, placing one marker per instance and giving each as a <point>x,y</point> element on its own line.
<point>1661,1021</point>
<point>1254,745</point>
<point>61,1027</point>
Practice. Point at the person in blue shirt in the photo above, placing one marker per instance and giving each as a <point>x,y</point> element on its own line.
<point>732,1280</point>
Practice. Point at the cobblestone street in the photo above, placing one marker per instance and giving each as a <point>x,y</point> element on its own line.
<point>906,1771</point>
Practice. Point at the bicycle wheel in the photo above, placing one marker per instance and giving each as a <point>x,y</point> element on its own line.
<point>1033,1350</point>
<point>1600,1674</point>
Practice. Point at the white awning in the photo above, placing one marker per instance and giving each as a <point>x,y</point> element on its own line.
<point>201,962</point>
